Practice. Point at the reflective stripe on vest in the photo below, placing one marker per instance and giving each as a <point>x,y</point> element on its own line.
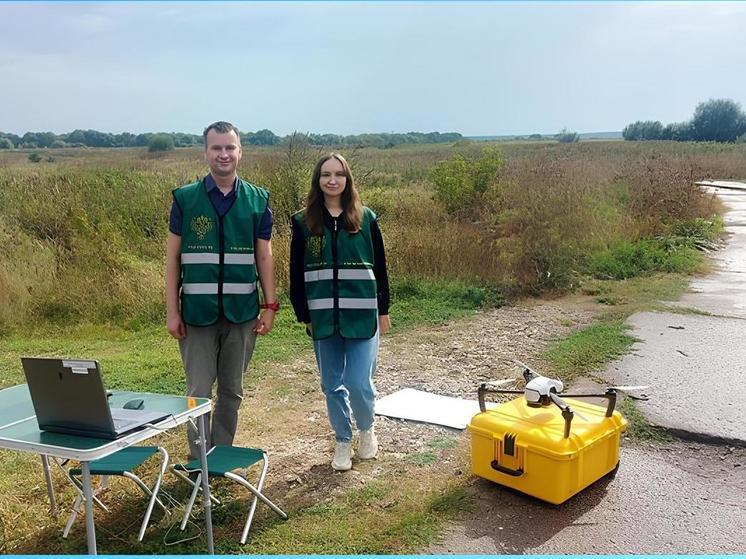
<point>212,288</point>
<point>212,258</point>
<point>328,273</point>
<point>344,303</point>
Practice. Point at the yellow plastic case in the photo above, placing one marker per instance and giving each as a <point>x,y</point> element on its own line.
<point>524,448</point>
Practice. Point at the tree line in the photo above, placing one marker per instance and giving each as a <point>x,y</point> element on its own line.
<point>97,139</point>
<point>716,120</point>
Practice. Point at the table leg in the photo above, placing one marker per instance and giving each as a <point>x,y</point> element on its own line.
<point>50,487</point>
<point>90,528</point>
<point>205,484</point>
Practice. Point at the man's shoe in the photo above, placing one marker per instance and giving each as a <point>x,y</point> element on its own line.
<point>342,457</point>
<point>368,444</point>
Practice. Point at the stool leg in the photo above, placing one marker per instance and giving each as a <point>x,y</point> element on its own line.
<point>73,516</point>
<point>152,493</point>
<point>247,485</point>
<point>192,498</point>
<point>252,510</point>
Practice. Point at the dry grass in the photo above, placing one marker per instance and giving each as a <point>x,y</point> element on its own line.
<point>84,235</point>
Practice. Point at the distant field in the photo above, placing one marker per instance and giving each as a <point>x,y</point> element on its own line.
<point>82,231</point>
<point>547,137</point>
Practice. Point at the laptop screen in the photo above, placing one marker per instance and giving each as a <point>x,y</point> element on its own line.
<point>68,395</point>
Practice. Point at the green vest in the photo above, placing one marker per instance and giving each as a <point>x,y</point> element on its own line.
<point>218,272</point>
<point>339,281</point>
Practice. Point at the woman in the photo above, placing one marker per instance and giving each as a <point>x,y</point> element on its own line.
<point>339,290</point>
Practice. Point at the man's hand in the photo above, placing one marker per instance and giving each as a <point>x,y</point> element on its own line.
<point>176,327</point>
<point>384,324</point>
<point>265,322</point>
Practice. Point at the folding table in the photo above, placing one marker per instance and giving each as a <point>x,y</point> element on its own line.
<point>19,430</point>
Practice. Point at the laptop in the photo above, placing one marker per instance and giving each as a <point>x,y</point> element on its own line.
<point>69,397</point>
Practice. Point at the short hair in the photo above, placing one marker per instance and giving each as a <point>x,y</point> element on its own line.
<point>221,127</point>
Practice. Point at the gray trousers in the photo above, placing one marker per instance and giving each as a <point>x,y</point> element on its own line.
<point>219,352</point>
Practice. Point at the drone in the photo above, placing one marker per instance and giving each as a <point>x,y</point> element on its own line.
<point>541,391</point>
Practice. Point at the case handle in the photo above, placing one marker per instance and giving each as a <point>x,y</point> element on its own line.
<point>515,473</point>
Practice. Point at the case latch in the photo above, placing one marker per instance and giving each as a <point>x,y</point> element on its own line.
<point>508,458</point>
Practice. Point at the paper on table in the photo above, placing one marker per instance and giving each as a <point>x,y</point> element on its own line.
<point>417,405</point>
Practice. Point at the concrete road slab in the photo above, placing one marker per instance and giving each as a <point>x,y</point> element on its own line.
<point>696,367</point>
<point>724,291</point>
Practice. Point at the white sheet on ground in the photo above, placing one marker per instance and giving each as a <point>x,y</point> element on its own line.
<point>417,405</point>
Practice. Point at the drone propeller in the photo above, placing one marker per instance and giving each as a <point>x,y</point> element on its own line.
<point>628,389</point>
<point>526,369</point>
<point>500,382</point>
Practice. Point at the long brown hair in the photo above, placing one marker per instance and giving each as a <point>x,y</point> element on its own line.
<point>352,208</point>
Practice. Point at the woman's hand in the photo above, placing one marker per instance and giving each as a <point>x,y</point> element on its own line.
<point>384,323</point>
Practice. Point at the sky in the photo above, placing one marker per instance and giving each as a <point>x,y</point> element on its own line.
<point>478,68</point>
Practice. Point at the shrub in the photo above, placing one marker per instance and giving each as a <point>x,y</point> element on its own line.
<point>567,137</point>
<point>647,130</point>
<point>6,143</point>
<point>698,229</point>
<point>461,182</point>
<point>629,259</point>
<point>378,199</point>
<point>289,178</point>
<point>34,157</point>
<point>161,142</point>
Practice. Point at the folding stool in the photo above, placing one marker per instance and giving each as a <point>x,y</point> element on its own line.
<point>221,461</point>
<point>121,463</point>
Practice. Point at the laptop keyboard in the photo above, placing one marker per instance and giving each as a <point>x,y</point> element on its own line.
<point>120,424</point>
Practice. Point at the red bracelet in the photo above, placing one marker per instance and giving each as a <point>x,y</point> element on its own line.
<point>271,306</point>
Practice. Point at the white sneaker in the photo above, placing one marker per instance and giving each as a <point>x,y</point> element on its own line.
<point>342,457</point>
<point>368,444</point>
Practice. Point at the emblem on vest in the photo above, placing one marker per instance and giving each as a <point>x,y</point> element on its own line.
<point>201,225</point>
<point>315,246</point>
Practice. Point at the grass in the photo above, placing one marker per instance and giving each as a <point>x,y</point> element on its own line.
<point>418,301</point>
<point>432,454</point>
<point>146,358</point>
<point>592,348</point>
<point>83,236</point>
<point>639,430</point>
<point>398,518</point>
<point>589,349</point>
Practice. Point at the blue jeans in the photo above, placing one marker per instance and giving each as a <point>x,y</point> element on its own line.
<point>347,368</point>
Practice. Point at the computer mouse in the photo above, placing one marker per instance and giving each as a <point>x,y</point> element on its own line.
<point>136,404</point>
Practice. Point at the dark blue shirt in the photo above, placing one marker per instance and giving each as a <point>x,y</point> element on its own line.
<point>221,203</point>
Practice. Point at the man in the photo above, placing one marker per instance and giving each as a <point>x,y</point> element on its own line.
<point>219,244</point>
